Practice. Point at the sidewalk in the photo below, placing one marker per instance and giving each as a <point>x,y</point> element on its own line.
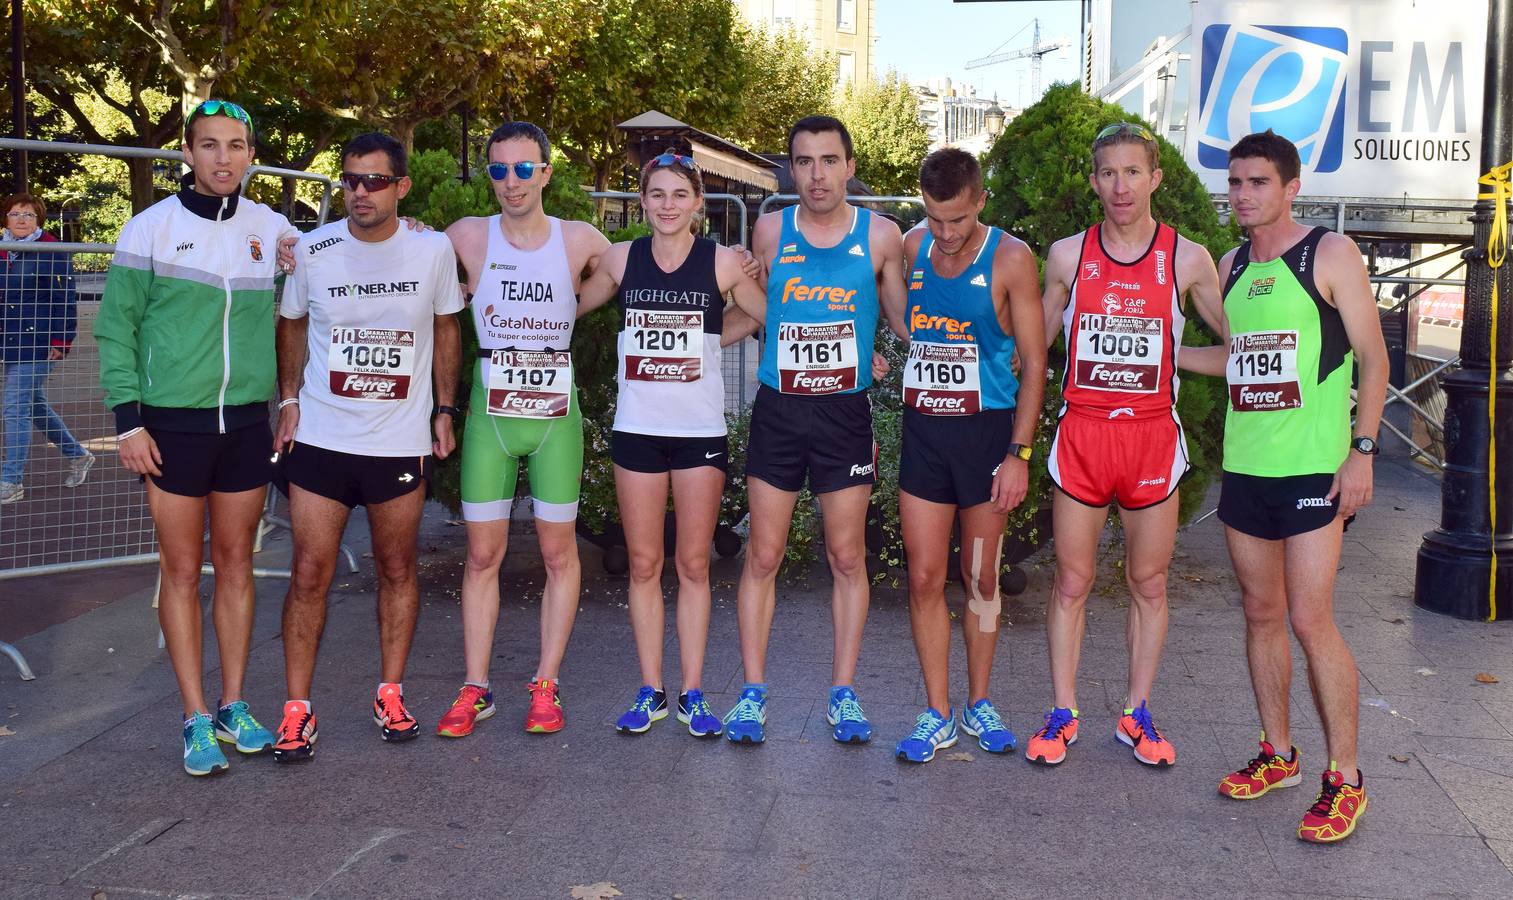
<point>93,798</point>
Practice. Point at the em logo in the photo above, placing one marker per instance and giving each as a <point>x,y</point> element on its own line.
<point>1290,79</point>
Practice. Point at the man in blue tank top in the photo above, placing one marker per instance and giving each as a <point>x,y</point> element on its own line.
<point>973,296</point>
<point>829,267</point>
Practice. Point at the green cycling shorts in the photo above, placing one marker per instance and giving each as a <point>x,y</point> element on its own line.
<point>493,448</point>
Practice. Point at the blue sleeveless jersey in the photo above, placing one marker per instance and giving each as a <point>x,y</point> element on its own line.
<point>814,285</point>
<point>950,310</point>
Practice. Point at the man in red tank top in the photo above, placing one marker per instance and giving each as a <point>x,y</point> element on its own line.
<point>1117,290</point>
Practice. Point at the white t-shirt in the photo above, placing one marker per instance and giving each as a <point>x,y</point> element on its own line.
<point>372,309</point>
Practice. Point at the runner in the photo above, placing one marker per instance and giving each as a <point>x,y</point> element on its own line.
<point>1118,291</point>
<point>366,322</point>
<point>973,293</point>
<point>828,267</point>
<point>1297,311</point>
<point>670,418</point>
<point>185,330</point>
<point>523,268</point>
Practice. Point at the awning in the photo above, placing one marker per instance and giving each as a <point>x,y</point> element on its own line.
<point>728,166</point>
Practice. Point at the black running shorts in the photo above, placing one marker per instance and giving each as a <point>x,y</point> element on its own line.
<point>196,464</point>
<point>1276,508</point>
<point>656,454</point>
<point>952,459</point>
<point>351,479</point>
<point>828,439</point>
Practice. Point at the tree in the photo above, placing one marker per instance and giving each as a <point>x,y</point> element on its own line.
<point>682,57</point>
<point>785,81</point>
<point>1038,182</point>
<point>890,141</point>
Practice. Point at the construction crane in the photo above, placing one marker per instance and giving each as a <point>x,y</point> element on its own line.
<point>1035,52</point>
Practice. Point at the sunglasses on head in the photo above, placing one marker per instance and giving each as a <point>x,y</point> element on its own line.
<point>523,170</point>
<point>370,183</point>
<point>672,159</point>
<point>221,108</point>
<point>1134,128</point>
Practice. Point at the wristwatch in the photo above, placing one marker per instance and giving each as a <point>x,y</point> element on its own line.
<point>449,410</point>
<point>1023,451</point>
<point>1366,445</point>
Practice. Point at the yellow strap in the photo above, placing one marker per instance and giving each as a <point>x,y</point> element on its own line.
<point>1497,253</point>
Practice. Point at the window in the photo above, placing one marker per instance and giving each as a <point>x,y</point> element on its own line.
<point>845,70</point>
<point>785,12</point>
<point>845,16</point>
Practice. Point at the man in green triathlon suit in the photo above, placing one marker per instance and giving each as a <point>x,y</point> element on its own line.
<point>524,268</point>
<point>1297,311</point>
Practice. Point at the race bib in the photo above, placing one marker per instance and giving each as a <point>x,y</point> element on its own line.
<point>942,379</point>
<point>663,346</point>
<point>1119,353</point>
<point>1263,371</point>
<point>530,384</point>
<point>371,363</point>
<point>816,358</point>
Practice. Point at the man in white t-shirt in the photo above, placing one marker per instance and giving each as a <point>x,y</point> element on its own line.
<point>367,323</point>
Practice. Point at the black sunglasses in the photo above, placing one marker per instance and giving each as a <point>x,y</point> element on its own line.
<point>371,183</point>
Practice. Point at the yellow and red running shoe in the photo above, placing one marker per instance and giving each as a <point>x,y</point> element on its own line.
<point>1334,814</point>
<point>1048,745</point>
<point>545,715</point>
<point>1268,770</point>
<point>473,704</point>
<point>1136,729</point>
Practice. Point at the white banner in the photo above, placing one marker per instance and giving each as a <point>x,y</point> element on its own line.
<point>1382,97</point>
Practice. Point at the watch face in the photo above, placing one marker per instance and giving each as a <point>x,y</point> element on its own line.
<point>1365,445</point>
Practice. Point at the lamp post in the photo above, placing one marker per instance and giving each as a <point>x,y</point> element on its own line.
<point>993,120</point>
<point>1465,566</point>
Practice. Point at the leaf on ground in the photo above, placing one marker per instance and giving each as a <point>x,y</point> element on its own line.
<point>1195,579</point>
<point>602,890</point>
<point>6,731</point>
<point>960,757</point>
<point>1397,621</point>
<point>1484,678</point>
<point>1396,758</point>
<point>1425,671</point>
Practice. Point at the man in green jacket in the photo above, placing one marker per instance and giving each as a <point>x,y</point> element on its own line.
<point>185,332</point>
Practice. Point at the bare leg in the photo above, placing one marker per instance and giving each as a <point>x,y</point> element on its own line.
<point>395,525</point>
<point>180,525</point>
<point>696,501</point>
<point>1312,560</point>
<point>1259,567</point>
<point>318,524</point>
<point>559,603</point>
<point>480,594</point>
<point>1076,529</point>
<point>1149,536</point>
<point>981,548</point>
<point>927,545</point>
<point>233,523</point>
<point>771,516</point>
<point>845,522</point>
<point>643,497</point>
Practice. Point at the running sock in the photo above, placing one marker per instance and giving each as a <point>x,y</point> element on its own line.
<point>480,685</point>
<point>757,686</point>
<point>398,685</point>
<point>303,703</point>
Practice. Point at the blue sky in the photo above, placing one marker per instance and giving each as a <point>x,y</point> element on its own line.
<point>926,38</point>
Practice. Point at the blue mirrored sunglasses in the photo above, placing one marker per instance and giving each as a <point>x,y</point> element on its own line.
<point>221,108</point>
<point>672,159</point>
<point>523,170</point>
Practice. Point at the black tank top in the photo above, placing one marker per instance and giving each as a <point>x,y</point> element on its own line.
<point>669,367</point>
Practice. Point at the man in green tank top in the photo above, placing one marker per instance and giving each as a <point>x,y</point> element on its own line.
<point>1297,311</point>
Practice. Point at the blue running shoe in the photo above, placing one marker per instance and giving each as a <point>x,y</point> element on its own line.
<point>650,706</point>
<point>981,721</point>
<point>202,755</point>
<point>694,711</point>
<point>851,725</point>
<point>932,731</point>
<point>746,722</point>
<point>235,725</point>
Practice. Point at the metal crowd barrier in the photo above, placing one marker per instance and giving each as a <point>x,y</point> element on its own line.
<point>74,515</point>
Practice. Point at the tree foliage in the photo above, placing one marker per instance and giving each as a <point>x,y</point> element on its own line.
<point>786,79</point>
<point>883,117</point>
<point>1039,191</point>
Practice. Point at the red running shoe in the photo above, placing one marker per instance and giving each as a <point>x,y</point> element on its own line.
<point>1267,771</point>
<point>296,734</point>
<point>545,716</point>
<point>390,715</point>
<point>1334,814</point>
<point>1138,731</point>
<point>473,704</point>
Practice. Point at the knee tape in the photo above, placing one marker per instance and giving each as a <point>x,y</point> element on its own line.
<point>987,611</point>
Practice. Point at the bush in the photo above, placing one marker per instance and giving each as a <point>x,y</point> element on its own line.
<point>1038,178</point>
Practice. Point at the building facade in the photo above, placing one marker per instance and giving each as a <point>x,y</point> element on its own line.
<point>843,27</point>
<point>955,116</point>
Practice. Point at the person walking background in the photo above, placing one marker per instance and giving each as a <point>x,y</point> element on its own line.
<point>39,320</point>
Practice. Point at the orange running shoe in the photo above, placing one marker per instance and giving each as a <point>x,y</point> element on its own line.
<point>390,715</point>
<point>473,704</point>
<point>1048,745</point>
<point>1138,731</point>
<point>1334,814</point>
<point>296,734</point>
<point>545,715</point>
<point>1268,770</point>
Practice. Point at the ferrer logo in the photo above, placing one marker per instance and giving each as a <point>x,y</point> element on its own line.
<point>918,321</point>
<point>839,298</point>
<point>515,401</point>
<point>1290,79</point>
<point>1119,377</point>
<point>939,403</point>
<point>817,383</point>
<point>368,384</point>
<point>862,470</point>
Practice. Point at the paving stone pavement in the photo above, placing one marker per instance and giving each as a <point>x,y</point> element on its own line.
<point>93,800</point>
